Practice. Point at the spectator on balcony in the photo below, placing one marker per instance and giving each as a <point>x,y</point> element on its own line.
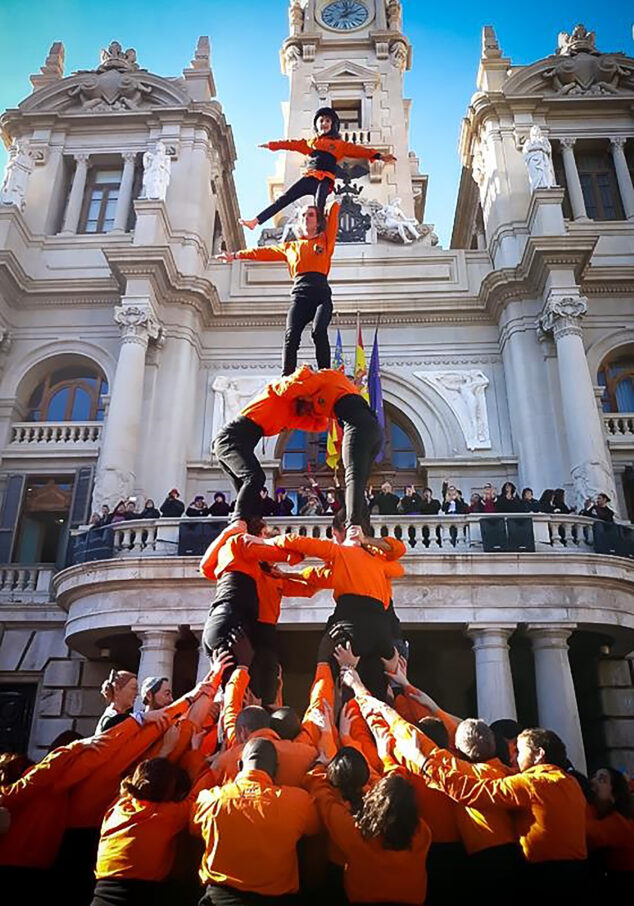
<point>546,501</point>
<point>156,692</point>
<point>119,513</point>
<point>508,501</point>
<point>283,504</point>
<point>197,508</point>
<point>95,521</point>
<point>430,506</point>
<point>411,504</point>
<point>529,504</point>
<point>476,504</point>
<point>559,502</point>
<point>302,498</point>
<point>489,499</point>
<point>130,509</point>
<point>149,511</point>
<point>106,515</point>
<point>172,507</point>
<point>454,505</point>
<point>219,507</point>
<point>120,691</point>
<point>313,507</point>
<point>331,502</point>
<point>268,504</point>
<point>386,501</point>
<point>598,510</point>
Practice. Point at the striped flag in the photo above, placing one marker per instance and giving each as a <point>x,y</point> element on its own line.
<point>376,392</point>
<point>360,370</point>
<point>335,431</point>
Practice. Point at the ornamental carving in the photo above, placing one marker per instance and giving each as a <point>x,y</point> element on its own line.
<point>464,393</point>
<point>16,175</point>
<point>563,313</point>
<point>582,70</point>
<point>137,321</point>
<point>394,15</point>
<point>399,55</point>
<point>231,394</point>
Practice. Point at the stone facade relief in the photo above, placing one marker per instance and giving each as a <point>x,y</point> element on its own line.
<point>231,394</point>
<point>582,70</point>
<point>157,167</point>
<point>538,157</point>
<point>16,175</point>
<point>392,224</point>
<point>464,393</point>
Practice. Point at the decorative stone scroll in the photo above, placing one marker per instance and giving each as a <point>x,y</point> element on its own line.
<point>463,391</point>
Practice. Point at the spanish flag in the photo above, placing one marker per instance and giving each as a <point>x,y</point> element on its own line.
<point>360,370</point>
<point>335,431</point>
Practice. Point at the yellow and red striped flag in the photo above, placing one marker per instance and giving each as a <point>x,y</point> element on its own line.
<point>360,369</point>
<point>335,431</point>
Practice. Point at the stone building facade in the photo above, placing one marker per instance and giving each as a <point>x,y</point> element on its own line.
<point>508,356</point>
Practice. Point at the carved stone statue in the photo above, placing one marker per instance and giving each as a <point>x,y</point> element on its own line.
<point>292,57</point>
<point>537,152</point>
<point>464,393</point>
<point>391,219</point>
<point>394,15</point>
<point>295,17</point>
<point>582,70</point>
<point>580,40</point>
<point>288,231</point>
<point>16,175</point>
<point>398,55</point>
<point>231,394</point>
<point>156,172</point>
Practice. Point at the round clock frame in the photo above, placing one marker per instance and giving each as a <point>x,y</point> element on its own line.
<point>344,15</point>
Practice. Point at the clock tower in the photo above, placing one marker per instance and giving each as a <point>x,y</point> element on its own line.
<point>352,55</point>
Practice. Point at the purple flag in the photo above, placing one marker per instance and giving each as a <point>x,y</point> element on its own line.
<point>376,393</point>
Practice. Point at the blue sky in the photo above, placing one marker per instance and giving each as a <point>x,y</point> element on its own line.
<point>246,35</point>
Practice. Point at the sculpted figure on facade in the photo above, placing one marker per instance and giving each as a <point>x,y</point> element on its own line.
<point>295,17</point>
<point>292,57</point>
<point>398,55</point>
<point>156,172</point>
<point>231,394</point>
<point>16,175</point>
<point>464,393</point>
<point>537,152</point>
<point>394,15</point>
<point>582,70</point>
<point>114,85</point>
<point>391,222</point>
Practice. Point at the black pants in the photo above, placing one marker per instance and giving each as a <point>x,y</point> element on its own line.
<point>505,863</point>
<point>311,301</point>
<point>234,448</point>
<point>445,874</point>
<point>307,185</point>
<point>557,882</point>
<point>368,626</point>
<point>360,446</point>
<point>229,896</point>
<point>29,885</point>
<point>130,892</point>
<point>236,607</point>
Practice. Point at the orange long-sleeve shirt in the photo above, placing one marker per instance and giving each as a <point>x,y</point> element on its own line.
<point>354,570</point>
<point>294,759</point>
<point>233,551</point>
<point>335,146</point>
<point>412,710</point>
<point>274,409</point>
<point>372,874</point>
<point>271,590</point>
<point>614,835</point>
<point>251,827</point>
<point>551,807</point>
<point>302,256</point>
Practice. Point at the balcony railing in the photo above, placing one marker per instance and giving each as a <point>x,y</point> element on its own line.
<point>619,427</point>
<point>422,535</point>
<point>26,584</point>
<point>57,435</point>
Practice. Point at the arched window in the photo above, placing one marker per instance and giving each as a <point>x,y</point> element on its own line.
<point>71,394</point>
<point>617,379</point>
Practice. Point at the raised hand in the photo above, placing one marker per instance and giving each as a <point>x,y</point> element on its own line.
<point>345,656</point>
<point>226,257</point>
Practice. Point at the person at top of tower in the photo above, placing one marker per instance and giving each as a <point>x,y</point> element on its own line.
<point>308,260</point>
<point>324,151</point>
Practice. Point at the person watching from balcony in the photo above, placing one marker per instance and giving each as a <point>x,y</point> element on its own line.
<point>105,515</point>
<point>283,504</point>
<point>546,501</point>
<point>454,505</point>
<point>267,503</point>
<point>149,511</point>
<point>172,507</point>
<point>197,508</point>
<point>386,501</point>
<point>489,498</point>
<point>119,513</point>
<point>313,507</point>
<point>598,510</point>
<point>559,502</point>
<point>219,507</point>
<point>95,521</point>
<point>156,692</point>
<point>430,506</point>
<point>411,503</point>
<point>130,509</point>
<point>120,691</point>
<point>529,504</point>
<point>508,501</point>
<point>476,504</point>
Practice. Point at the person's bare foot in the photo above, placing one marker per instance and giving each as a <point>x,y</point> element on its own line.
<point>250,224</point>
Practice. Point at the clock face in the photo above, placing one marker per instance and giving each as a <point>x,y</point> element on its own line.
<point>344,15</point>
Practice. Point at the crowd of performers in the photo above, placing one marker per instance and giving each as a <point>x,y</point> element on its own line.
<point>376,795</point>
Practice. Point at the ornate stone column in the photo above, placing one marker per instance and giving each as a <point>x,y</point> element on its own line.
<point>573,183</point>
<point>122,211</point>
<point>76,197</point>
<point>158,647</point>
<point>623,177</point>
<point>556,700</point>
<point>494,683</point>
<point>116,468</point>
<point>590,467</point>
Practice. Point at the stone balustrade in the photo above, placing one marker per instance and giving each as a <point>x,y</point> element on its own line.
<point>619,427</point>
<point>358,136</point>
<point>26,584</point>
<point>56,434</point>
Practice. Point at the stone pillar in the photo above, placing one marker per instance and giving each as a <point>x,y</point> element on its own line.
<point>494,683</point>
<point>573,183</point>
<point>623,176</point>
<point>116,468</point>
<point>556,701</point>
<point>122,211</point>
<point>158,647</point>
<point>76,197</point>
<point>590,468</point>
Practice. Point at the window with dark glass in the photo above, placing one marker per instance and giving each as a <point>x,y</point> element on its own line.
<point>617,380</point>
<point>599,185</point>
<point>100,202</point>
<point>349,113</point>
<point>71,394</point>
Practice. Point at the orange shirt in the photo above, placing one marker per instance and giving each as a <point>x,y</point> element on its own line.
<point>274,409</point>
<point>271,590</point>
<point>233,551</point>
<point>372,874</point>
<point>335,146</point>
<point>354,570</point>
<point>251,828</point>
<point>362,739</point>
<point>412,711</point>
<point>302,256</point>
<point>615,835</point>
<point>550,805</point>
<point>294,759</point>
